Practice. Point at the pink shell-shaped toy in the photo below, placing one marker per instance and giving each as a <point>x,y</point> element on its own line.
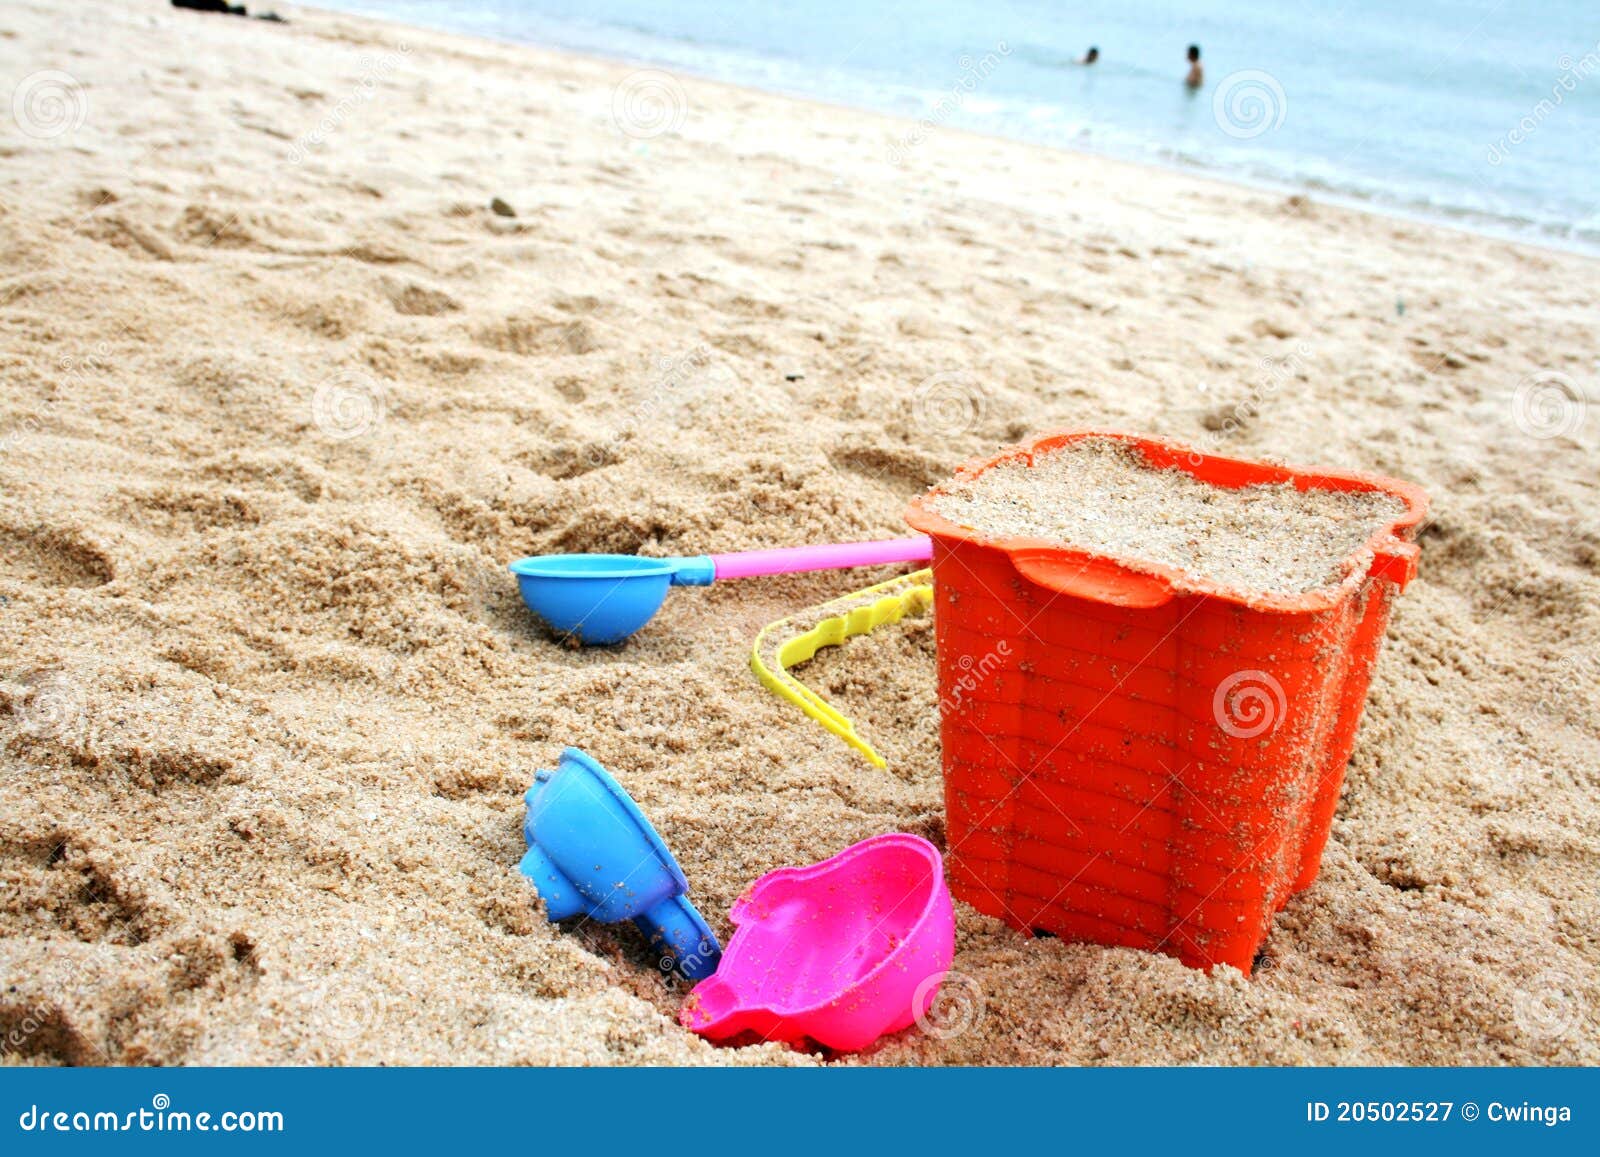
<point>840,952</point>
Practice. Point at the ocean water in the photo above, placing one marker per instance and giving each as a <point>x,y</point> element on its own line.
<point>1483,113</point>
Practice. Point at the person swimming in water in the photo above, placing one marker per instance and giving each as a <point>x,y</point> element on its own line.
<point>1091,56</point>
<point>1197,75</point>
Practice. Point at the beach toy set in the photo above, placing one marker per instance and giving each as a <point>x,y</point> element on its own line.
<point>840,952</point>
<point>1141,756</point>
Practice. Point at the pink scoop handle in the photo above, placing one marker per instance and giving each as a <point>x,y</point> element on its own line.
<point>828,556</point>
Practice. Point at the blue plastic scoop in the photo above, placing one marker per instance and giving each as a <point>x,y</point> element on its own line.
<point>592,852</point>
<point>604,598</point>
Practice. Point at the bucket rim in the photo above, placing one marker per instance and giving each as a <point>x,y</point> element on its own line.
<point>1389,553</point>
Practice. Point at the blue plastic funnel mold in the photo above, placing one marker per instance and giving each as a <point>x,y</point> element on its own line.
<point>592,853</point>
<point>603,598</point>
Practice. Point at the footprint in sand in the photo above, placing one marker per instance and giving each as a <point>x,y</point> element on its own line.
<point>214,227</point>
<point>414,299</point>
<point>536,335</point>
<point>54,556</point>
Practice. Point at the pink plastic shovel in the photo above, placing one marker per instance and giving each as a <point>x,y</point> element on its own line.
<point>604,598</point>
<point>840,952</point>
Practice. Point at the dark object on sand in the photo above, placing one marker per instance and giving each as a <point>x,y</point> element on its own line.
<point>211,6</point>
<point>501,208</point>
<point>226,9</point>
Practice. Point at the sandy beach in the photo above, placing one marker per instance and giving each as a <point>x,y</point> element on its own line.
<point>283,393</point>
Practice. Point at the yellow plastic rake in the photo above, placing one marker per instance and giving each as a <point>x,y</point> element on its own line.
<point>796,639</point>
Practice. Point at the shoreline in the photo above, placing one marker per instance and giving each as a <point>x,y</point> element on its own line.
<point>1466,222</point>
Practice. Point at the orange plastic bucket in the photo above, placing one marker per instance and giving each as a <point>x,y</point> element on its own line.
<point>1136,756</point>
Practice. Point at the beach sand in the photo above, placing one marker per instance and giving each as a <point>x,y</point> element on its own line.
<point>282,395</point>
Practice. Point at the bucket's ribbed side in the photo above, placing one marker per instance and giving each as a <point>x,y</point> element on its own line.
<point>975,618</point>
<point>1367,622</point>
<point>1097,818</point>
<point>1057,720</point>
<point>1153,778</point>
<point>1255,691</point>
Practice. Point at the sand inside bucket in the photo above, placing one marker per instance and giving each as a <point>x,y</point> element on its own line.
<point>1102,495</point>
